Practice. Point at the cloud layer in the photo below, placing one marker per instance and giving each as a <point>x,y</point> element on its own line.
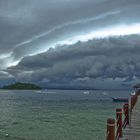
<point>30,27</point>
<point>110,59</point>
<point>44,40</point>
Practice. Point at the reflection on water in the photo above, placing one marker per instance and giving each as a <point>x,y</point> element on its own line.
<point>56,114</point>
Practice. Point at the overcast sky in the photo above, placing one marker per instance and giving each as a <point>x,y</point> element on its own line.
<point>70,42</point>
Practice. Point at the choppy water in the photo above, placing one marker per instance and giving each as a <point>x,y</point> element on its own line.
<point>56,114</point>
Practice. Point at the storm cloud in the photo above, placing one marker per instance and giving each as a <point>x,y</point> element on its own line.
<point>70,42</point>
<point>31,26</point>
<point>115,58</point>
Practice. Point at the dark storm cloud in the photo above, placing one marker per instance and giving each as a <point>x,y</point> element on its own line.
<point>115,58</point>
<point>31,26</point>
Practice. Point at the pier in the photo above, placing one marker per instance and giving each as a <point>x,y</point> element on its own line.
<point>132,131</point>
<point>126,126</point>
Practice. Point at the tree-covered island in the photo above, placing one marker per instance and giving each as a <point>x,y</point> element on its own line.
<point>22,86</point>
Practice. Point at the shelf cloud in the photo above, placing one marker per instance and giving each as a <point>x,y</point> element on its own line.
<point>76,42</point>
<point>84,62</point>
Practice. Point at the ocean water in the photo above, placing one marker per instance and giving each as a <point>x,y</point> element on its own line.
<point>56,114</point>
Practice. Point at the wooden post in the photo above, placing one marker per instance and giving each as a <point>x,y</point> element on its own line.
<point>130,111</point>
<point>133,101</point>
<point>119,123</point>
<point>126,113</point>
<point>136,98</point>
<point>110,129</point>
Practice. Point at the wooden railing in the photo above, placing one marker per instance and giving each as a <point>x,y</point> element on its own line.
<point>126,115</point>
<point>133,101</point>
<point>119,123</point>
<point>115,127</point>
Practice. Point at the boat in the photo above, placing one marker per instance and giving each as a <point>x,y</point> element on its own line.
<point>86,92</point>
<point>120,99</point>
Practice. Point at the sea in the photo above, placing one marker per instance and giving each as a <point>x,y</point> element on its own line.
<point>57,114</point>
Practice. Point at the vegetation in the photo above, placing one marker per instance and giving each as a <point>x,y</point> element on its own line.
<point>22,86</point>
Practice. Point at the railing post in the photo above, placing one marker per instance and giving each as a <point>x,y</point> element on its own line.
<point>133,101</point>
<point>136,98</point>
<point>110,129</point>
<point>119,123</point>
<point>126,114</point>
<point>129,111</point>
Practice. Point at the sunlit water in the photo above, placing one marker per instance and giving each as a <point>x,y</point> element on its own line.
<point>56,114</point>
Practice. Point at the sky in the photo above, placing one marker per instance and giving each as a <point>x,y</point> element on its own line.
<point>70,43</point>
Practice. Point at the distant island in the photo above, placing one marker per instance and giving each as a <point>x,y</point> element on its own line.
<point>22,86</point>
